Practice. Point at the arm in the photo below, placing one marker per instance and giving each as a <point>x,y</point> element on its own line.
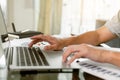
<point>98,54</point>
<point>113,58</point>
<point>92,37</point>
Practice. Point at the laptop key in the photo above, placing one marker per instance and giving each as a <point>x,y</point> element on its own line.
<point>11,56</point>
<point>8,55</point>
<point>42,57</point>
<point>37,56</point>
<point>27,56</point>
<point>18,57</point>
<point>6,52</point>
<point>22,57</point>
<point>34,62</point>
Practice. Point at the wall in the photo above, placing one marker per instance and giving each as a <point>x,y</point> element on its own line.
<point>21,12</point>
<point>37,11</point>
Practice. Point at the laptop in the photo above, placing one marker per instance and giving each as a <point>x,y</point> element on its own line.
<point>18,57</point>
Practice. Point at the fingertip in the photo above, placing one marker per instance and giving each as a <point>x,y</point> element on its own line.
<point>71,60</point>
<point>29,44</point>
<point>63,60</point>
<point>46,48</point>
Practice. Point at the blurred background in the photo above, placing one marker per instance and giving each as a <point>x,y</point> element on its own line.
<point>58,16</point>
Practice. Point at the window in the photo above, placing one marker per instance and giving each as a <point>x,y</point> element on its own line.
<point>79,16</point>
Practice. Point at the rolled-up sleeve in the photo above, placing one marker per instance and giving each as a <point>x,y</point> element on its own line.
<point>114,24</point>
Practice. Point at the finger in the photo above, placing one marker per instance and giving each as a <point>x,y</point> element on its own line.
<point>48,38</point>
<point>33,42</point>
<point>67,52</point>
<point>71,60</point>
<point>36,39</point>
<point>50,47</point>
<point>43,38</point>
<point>37,36</point>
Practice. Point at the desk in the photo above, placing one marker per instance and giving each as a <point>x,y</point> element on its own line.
<point>40,75</point>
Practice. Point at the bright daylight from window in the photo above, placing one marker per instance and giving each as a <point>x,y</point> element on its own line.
<point>79,16</point>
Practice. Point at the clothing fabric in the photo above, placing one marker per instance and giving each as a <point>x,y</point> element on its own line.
<point>114,24</point>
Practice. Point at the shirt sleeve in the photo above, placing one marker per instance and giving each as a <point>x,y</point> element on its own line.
<point>114,24</point>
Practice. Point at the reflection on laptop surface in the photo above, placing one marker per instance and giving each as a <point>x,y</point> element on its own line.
<point>2,57</point>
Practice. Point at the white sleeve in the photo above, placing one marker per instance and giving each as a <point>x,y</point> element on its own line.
<point>114,24</point>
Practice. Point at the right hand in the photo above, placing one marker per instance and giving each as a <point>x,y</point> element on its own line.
<point>85,51</point>
<point>55,43</point>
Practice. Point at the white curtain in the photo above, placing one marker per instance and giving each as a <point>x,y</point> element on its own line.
<point>50,16</point>
<point>79,16</point>
<point>74,16</point>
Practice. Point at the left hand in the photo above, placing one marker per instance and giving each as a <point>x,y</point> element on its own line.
<point>55,43</point>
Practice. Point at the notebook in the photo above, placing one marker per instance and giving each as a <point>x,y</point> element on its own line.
<point>19,57</point>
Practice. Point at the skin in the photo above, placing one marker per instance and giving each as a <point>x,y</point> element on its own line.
<point>92,37</point>
<point>79,45</point>
<point>97,54</point>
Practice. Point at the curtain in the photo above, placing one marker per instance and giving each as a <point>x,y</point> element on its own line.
<point>79,16</point>
<point>50,16</point>
<point>56,16</point>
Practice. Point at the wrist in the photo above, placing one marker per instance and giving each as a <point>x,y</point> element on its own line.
<point>107,56</point>
<point>68,41</point>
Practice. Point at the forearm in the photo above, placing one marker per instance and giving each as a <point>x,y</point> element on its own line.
<point>113,58</point>
<point>90,37</point>
<point>105,56</point>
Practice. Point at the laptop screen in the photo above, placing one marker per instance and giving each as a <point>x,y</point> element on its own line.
<point>3,30</point>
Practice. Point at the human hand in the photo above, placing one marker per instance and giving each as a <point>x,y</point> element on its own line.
<point>83,50</point>
<point>55,43</point>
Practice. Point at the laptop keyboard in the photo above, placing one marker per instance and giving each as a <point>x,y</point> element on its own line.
<point>8,56</point>
<point>26,56</point>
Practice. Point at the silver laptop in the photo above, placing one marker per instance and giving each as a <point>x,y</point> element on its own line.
<point>25,58</point>
<point>2,31</point>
